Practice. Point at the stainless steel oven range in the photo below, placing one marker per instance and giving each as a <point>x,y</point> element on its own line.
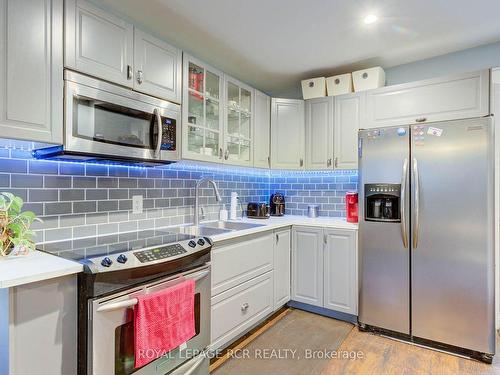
<point>114,275</point>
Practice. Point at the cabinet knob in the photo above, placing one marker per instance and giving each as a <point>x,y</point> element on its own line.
<point>421,119</point>
<point>329,162</point>
<point>129,72</point>
<point>226,155</point>
<point>301,162</point>
<point>245,307</point>
<point>277,238</point>
<point>221,153</point>
<point>336,162</point>
<point>139,76</point>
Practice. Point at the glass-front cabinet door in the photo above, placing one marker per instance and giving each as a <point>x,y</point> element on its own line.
<point>238,122</point>
<point>202,112</point>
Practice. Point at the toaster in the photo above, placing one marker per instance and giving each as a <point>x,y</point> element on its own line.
<point>258,210</point>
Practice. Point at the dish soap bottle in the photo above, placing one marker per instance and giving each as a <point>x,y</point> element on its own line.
<point>223,213</point>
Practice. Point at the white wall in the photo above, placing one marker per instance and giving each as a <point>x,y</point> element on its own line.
<point>486,56</point>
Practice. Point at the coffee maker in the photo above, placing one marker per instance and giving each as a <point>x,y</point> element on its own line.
<point>277,204</point>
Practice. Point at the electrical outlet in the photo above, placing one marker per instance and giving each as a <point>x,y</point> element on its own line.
<point>137,204</point>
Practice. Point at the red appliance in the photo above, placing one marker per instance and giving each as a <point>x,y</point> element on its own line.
<point>351,206</point>
<point>196,82</point>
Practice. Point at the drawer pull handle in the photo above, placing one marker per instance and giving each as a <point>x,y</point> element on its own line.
<point>421,119</point>
<point>245,307</point>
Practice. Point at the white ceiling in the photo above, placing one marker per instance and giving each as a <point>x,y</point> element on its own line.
<point>273,44</point>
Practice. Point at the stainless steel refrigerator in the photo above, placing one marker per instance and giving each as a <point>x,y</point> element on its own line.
<point>426,234</point>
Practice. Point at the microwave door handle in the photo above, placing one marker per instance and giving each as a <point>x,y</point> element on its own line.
<point>160,133</point>
<point>404,179</point>
<point>133,301</point>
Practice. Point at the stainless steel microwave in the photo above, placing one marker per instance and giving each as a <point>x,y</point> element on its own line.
<point>103,121</point>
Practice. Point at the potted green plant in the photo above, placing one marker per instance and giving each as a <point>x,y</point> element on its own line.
<point>16,237</point>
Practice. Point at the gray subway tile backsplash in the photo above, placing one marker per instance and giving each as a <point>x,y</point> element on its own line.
<point>78,200</point>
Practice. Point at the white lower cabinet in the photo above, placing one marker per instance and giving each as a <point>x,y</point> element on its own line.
<point>324,268</point>
<point>254,275</point>
<point>241,259</point>
<point>307,265</point>
<point>282,259</point>
<point>238,309</point>
<point>340,271</point>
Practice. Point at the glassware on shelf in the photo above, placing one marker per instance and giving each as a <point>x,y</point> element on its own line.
<point>195,139</point>
<point>246,100</point>
<point>211,143</point>
<point>212,85</point>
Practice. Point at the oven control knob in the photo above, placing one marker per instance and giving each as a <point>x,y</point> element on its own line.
<point>192,243</point>
<point>121,258</point>
<point>201,242</point>
<point>106,262</point>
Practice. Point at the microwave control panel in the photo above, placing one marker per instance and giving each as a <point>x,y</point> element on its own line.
<point>168,142</point>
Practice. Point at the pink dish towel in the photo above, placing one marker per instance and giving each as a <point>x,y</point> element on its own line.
<point>163,321</point>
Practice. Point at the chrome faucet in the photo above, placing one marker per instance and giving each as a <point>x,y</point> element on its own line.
<point>197,197</point>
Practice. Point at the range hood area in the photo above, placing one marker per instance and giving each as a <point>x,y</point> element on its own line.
<point>58,153</point>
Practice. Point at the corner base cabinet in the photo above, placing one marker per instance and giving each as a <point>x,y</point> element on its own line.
<point>31,70</point>
<point>307,265</point>
<point>282,259</point>
<point>324,268</point>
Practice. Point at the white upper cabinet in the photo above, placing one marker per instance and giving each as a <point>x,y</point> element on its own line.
<point>349,111</point>
<point>202,120</point>
<point>31,70</point>
<point>287,134</point>
<point>157,67</point>
<point>98,43</point>
<point>262,130</point>
<point>238,124</point>
<point>319,133</point>
<point>446,98</point>
<point>340,275</point>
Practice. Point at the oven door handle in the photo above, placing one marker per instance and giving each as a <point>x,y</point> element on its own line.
<point>133,301</point>
<point>160,133</point>
<point>190,367</point>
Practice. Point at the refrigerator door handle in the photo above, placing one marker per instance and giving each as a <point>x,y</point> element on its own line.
<point>417,204</point>
<point>404,178</point>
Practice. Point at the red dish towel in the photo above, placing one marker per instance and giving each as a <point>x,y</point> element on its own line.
<point>163,321</point>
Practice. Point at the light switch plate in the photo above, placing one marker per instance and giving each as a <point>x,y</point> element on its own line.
<point>137,201</point>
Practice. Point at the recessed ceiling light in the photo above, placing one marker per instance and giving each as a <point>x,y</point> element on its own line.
<point>371,18</point>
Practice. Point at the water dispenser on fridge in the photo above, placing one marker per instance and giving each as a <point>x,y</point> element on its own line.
<point>383,202</point>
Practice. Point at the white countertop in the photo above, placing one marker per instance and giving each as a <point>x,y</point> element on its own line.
<point>39,266</point>
<point>276,222</point>
<point>36,266</point>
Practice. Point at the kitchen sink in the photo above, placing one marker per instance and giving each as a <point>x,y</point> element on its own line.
<point>213,228</point>
<point>230,225</point>
<point>201,230</point>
